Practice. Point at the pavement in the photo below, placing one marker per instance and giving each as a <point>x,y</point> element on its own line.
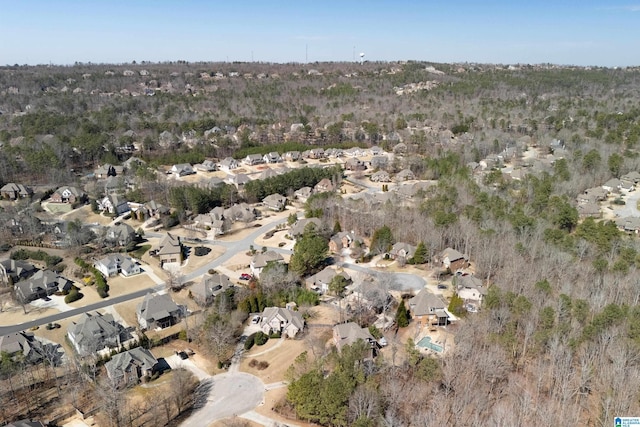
<point>630,208</point>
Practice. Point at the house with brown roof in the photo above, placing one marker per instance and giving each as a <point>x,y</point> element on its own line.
<point>470,289</point>
<point>320,281</point>
<point>13,191</point>
<point>325,184</point>
<point>343,240</point>
<point>402,251</point>
<point>297,229</point>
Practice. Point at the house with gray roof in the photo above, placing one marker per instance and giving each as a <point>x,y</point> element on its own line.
<point>347,334</point>
<point>24,346</point>
<point>402,251</point>
<point>428,309</point>
<point>272,157</point>
<point>170,249</point>
<point>298,227</point>
<point>405,175</point>
<point>261,260</point>
<point>470,288</point>
<point>242,212</point>
<point>114,204</point>
<point>158,311</point>
<point>15,270</point>
<point>275,202</point>
<point>238,180</point>
<point>292,156</point>
<point>228,164</point>
<point>380,176</point>
<point>126,368</point>
<point>96,332</point>
<point>320,281</point>
<point>25,423</point>
<point>206,166</point>
<point>303,193</point>
<point>182,169</point>
<point>68,194</point>
<point>281,320</point>
<point>253,159</point>
<point>41,284</point>
<point>453,260</point>
<point>114,264</point>
<point>206,290</point>
<point>120,234</point>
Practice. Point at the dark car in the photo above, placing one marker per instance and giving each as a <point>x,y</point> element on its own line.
<point>442,286</point>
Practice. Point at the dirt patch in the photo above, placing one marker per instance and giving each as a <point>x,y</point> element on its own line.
<point>279,356</point>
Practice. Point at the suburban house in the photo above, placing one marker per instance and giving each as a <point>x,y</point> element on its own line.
<point>118,185</point>
<point>120,234</point>
<point>15,270</point>
<point>108,170</point>
<point>267,173</point>
<point>170,249</point>
<point>369,293</point>
<point>354,152</point>
<point>273,157</point>
<point>292,156</point>
<point>238,180</point>
<point>409,191</point>
<point>228,164</point>
<point>275,202</point>
<point>281,320</point>
<point>379,162</point>
<point>182,169</point>
<point>68,195</point>
<point>114,204</point>
<point>380,176</point>
<point>253,159</point>
<point>158,311</point>
<point>316,153</point>
<point>613,185</point>
<point>155,209</point>
<point>303,193</point>
<point>400,148</point>
<point>349,333</point>
<point>298,227</point>
<point>453,260</point>
<point>427,309</point>
<point>41,284</point>
<point>242,212</point>
<point>470,288</point>
<point>593,195</point>
<point>95,332</point>
<point>629,224</point>
<point>214,221</point>
<point>126,368</point>
<point>404,175</point>
<point>402,251</point>
<point>261,260</point>
<point>205,291</point>
<point>13,191</point>
<point>631,178</point>
<point>320,281</point>
<point>206,166</point>
<point>22,345</point>
<point>325,184</point>
<point>114,264</point>
<point>590,209</point>
<point>354,164</point>
<point>343,240</point>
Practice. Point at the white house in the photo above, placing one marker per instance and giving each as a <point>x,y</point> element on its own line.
<point>113,264</point>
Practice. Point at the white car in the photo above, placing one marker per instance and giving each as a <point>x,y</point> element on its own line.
<point>255,320</point>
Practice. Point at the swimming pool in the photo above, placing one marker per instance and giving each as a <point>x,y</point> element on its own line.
<point>426,343</point>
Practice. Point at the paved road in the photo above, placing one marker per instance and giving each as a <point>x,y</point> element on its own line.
<point>403,281</point>
<point>630,208</point>
<point>232,248</point>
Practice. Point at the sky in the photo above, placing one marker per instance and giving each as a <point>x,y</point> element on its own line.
<point>568,32</point>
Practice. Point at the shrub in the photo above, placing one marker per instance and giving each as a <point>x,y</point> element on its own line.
<point>253,363</point>
<point>276,334</point>
<point>72,296</point>
<point>182,335</point>
<point>261,338</point>
<point>263,365</point>
<point>249,342</point>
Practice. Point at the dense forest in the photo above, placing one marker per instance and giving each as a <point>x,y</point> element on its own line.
<point>559,333</point>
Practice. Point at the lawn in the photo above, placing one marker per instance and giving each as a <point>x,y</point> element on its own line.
<point>140,251</point>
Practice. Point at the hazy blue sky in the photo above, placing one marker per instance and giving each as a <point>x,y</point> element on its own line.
<point>585,32</point>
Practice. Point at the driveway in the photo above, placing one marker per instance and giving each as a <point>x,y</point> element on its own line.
<point>630,208</point>
<point>228,394</point>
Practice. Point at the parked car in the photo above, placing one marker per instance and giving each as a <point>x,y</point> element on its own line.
<point>255,320</point>
<point>442,286</point>
<point>245,276</point>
